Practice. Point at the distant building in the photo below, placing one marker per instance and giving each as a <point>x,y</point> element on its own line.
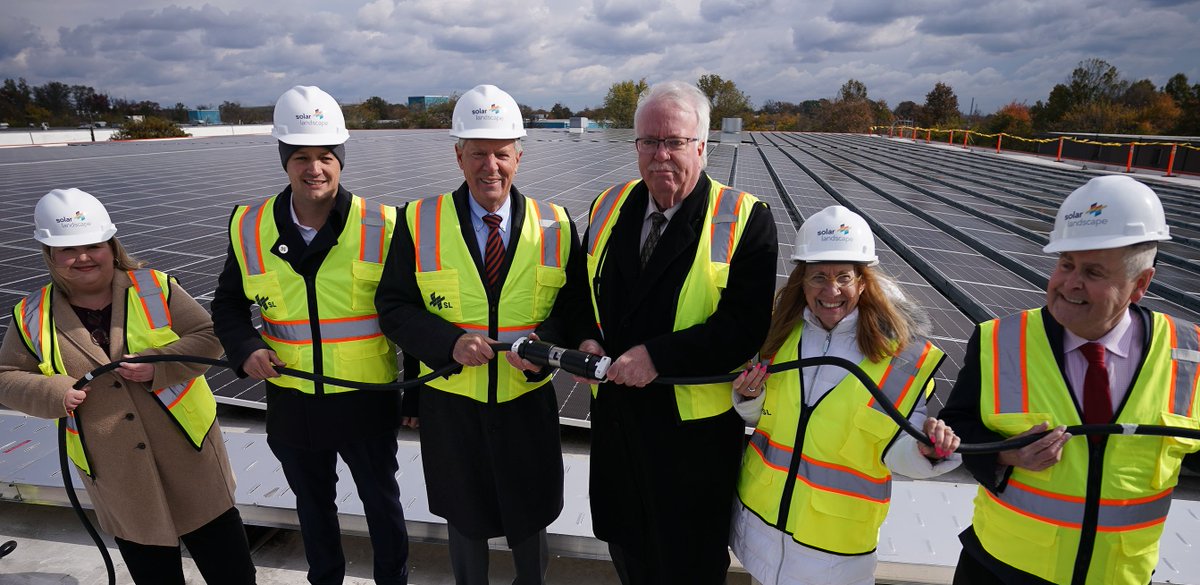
<point>204,117</point>
<point>419,103</point>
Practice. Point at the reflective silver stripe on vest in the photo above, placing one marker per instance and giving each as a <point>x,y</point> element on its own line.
<point>426,238</point>
<point>777,457</point>
<point>1010,393</point>
<point>153,298</point>
<point>372,235</point>
<point>900,374</point>
<point>505,335</point>
<point>171,395</point>
<point>822,476</point>
<point>72,424</point>
<point>844,482</point>
<point>608,202</point>
<point>1115,515</point>
<point>332,331</point>
<point>551,234</point>
<point>1185,368</point>
<point>248,229</point>
<point>724,223</point>
<point>32,317</point>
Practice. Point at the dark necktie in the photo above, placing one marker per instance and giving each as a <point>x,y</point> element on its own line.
<point>1097,401</point>
<point>494,255</point>
<point>657,220</point>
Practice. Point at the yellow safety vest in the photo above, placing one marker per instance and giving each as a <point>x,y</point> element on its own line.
<point>1036,523</point>
<point>344,323</point>
<point>453,289</point>
<point>833,493</point>
<point>724,222</point>
<point>148,325</point>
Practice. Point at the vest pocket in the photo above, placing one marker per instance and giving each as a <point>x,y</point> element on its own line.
<point>1014,423</point>
<point>441,293</point>
<point>871,432</point>
<point>549,281</point>
<point>365,279</point>
<point>1172,450</point>
<point>264,290</point>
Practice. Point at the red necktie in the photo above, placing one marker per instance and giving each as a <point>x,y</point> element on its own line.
<point>494,255</point>
<point>1097,401</point>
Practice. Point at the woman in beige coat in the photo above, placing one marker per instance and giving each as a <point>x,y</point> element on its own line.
<point>144,437</point>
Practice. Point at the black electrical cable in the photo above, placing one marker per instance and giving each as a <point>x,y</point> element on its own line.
<point>907,426</point>
<point>567,357</point>
<point>7,547</point>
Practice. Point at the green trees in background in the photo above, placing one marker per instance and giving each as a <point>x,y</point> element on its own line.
<point>621,102</point>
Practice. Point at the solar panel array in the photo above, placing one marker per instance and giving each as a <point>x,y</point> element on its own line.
<point>961,232</point>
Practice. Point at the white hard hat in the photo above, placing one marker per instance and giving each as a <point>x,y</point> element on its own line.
<point>487,112</point>
<point>835,234</point>
<point>307,116</point>
<point>70,217</point>
<point>1108,212</point>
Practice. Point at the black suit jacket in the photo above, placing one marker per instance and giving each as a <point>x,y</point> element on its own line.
<point>661,487</point>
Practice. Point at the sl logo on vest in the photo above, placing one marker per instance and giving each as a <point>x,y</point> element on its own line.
<point>264,302</point>
<point>439,301</point>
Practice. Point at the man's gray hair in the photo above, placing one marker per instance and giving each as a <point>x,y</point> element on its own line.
<point>686,96</point>
<point>1139,257</point>
<point>462,143</point>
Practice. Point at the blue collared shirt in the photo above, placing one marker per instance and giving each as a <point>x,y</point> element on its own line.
<point>481,228</point>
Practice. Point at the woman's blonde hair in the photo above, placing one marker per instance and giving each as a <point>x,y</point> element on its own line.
<point>121,261</point>
<point>887,319</point>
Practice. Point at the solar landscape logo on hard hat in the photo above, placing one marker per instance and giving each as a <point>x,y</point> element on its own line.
<point>72,221</point>
<point>1077,219</point>
<point>492,112</point>
<point>317,118</point>
<point>838,234</point>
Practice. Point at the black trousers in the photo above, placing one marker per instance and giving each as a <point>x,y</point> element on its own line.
<point>312,476</point>
<point>469,559</point>
<point>219,549</point>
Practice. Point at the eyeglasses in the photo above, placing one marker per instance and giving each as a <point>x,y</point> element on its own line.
<point>650,145</point>
<point>820,281</point>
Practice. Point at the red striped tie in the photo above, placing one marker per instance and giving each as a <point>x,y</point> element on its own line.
<point>1097,400</point>
<point>494,256</point>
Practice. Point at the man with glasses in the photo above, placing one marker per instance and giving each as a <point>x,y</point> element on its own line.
<point>682,270</point>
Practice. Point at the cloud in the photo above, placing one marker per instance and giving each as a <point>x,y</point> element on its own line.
<point>546,51</point>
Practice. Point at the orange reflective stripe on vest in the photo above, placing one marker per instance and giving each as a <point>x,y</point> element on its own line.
<point>605,207</point>
<point>152,297</point>
<point>1185,342</point>
<point>725,216</point>
<point>332,330</point>
<point>551,233</point>
<point>251,242</point>
<point>427,234</point>
<point>1068,511</point>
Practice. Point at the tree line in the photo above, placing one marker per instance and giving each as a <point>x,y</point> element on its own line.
<point>1094,98</point>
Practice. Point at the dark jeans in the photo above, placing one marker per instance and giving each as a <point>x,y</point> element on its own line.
<point>312,476</point>
<point>219,549</point>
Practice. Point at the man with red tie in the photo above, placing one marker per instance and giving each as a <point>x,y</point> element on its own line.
<point>1082,511</point>
<point>476,266</point>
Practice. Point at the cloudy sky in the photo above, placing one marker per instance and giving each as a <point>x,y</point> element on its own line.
<point>571,51</point>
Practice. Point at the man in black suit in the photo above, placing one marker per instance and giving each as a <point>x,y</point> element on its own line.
<point>682,271</point>
<point>469,268</point>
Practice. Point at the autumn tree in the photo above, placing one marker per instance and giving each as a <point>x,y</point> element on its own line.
<point>621,102</point>
<point>850,111</point>
<point>1013,118</point>
<point>727,100</point>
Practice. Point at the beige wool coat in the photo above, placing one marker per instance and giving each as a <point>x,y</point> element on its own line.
<point>151,485</point>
